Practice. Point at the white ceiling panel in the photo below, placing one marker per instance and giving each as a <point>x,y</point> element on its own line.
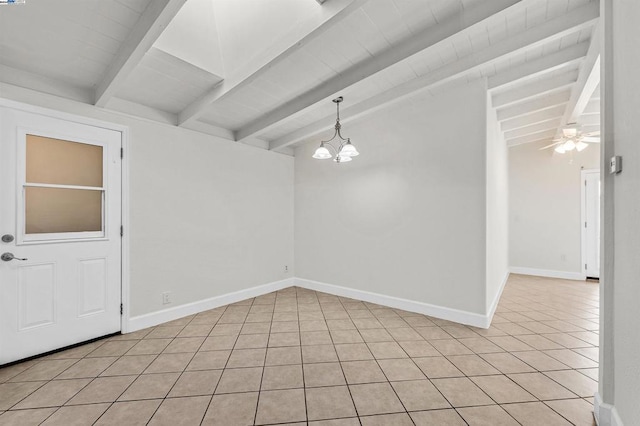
<point>165,82</point>
<point>70,41</point>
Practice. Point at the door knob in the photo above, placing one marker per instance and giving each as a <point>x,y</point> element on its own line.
<point>9,256</point>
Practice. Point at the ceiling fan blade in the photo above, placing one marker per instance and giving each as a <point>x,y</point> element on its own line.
<point>590,139</point>
<point>596,133</point>
<point>549,146</point>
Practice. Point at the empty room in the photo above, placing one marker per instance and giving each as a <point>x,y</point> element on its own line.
<point>319,212</point>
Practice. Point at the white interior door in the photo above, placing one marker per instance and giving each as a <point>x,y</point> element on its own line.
<point>591,225</point>
<point>60,217</point>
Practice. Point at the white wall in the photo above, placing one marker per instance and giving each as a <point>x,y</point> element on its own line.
<point>544,204</point>
<point>497,209</point>
<point>208,216</point>
<point>407,217</point>
<point>619,384</point>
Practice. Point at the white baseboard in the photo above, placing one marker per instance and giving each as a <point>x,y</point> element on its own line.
<point>605,414</point>
<point>464,317</point>
<point>565,275</point>
<point>496,300</point>
<point>450,314</point>
<point>154,318</point>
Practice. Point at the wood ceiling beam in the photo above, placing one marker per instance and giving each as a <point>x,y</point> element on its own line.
<point>546,135</point>
<point>533,128</point>
<point>570,56</point>
<point>532,118</point>
<point>588,81</point>
<point>535,89</point>
<point>534,105</point>
<point>40,83</point>
<point>146,31</point>
<point>392,55</point>
<point>258,67</point>
<point>551,30</point>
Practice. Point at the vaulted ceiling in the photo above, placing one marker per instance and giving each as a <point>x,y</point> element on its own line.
<point>264,71</point>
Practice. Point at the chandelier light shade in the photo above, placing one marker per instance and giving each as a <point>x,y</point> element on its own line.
<point>345,150</point>
<point>322,153</point>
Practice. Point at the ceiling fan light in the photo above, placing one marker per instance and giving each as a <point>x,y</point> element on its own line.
<point>569,145</point>
<point>348,150</point>
<point>581,146</point>
<point>560,149</point>
<point>322,153</point>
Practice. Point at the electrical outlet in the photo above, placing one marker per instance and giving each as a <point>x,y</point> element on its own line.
<point>166,298</point>
<point>286,268</point>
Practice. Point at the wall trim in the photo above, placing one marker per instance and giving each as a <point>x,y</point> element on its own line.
<point>565,275</point>
<point>605,414</point>
<point>496,300</point>
<point>450,314</point>
<point>583,217</point>
<point>154,318</point>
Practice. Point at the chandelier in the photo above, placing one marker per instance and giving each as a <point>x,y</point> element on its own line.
<point>345,151</point>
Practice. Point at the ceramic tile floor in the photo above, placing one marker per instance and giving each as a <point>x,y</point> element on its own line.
<point>299,357</point>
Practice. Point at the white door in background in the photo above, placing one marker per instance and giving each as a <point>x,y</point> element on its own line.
<point>591,223</point>
<point>60,216</point>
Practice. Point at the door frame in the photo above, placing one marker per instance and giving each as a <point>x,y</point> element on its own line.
<point>125,293</point>
<point>583,218</point>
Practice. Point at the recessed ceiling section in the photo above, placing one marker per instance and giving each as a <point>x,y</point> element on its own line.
<point>165,82</point>
<point>193,37</point>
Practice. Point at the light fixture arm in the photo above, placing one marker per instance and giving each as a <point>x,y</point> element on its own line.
<point>345,150</point>
<point>337,128</point>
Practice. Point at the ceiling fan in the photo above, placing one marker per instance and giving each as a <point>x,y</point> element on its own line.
<point>572,138</point>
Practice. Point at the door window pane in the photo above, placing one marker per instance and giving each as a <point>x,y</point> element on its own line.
<point>52,210</point>
<point>55,161</point>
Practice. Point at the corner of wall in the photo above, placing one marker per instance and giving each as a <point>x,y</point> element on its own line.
<point>497,210</point>
<point>605,414</point>
<point>158,317</point>
<point>441,312</point>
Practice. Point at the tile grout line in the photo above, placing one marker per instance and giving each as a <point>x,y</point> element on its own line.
<point>378,364</point>
<point>304,384</point>
<point>226,362</point>
<point>346,383</point>
<point>158,355</point>
<point>264,361</point>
